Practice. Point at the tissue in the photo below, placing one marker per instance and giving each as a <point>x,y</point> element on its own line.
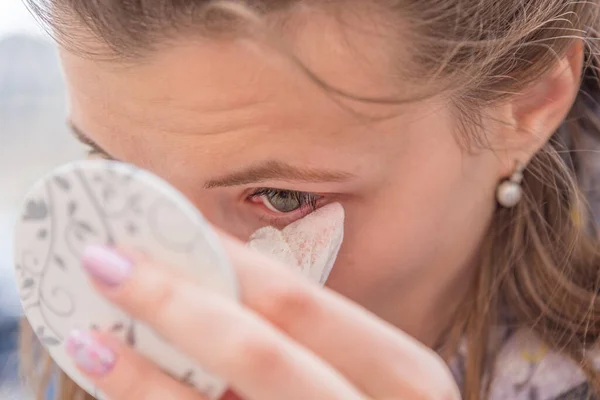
<point>309,245</point>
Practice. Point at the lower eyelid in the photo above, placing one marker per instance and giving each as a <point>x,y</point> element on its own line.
<point>278,219</point>
<point>261,202</point>
<point>280,222</point>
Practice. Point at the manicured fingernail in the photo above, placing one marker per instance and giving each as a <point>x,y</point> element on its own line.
<point>105,265</point>
<point>89,354</point>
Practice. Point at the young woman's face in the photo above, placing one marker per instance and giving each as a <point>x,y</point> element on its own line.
<point>223,121</point>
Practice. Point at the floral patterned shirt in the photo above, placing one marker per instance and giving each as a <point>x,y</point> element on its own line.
<point>527,370</point>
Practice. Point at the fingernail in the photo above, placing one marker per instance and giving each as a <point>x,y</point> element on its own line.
<point>105,265</point>
<point>89,354</point>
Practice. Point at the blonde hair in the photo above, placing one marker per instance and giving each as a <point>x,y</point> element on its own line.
<point>540,261</point>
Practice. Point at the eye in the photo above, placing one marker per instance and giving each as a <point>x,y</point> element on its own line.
<point>285,201</point>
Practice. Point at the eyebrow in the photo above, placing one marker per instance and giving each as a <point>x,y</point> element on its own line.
<point>264,171</point>
<point>277,170</point>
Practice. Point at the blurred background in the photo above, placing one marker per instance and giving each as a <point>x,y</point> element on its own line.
<point>33,139</point>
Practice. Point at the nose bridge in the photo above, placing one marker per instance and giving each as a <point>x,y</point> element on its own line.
<point>225,214</point>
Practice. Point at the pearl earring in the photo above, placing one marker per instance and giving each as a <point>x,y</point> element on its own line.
<point>510,192</point>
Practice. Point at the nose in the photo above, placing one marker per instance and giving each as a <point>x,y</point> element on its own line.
<point>227,215</point>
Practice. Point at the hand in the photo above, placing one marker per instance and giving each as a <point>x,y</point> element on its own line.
<point>288,339</point>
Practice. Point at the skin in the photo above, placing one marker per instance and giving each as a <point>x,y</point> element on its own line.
<point>417,203</point>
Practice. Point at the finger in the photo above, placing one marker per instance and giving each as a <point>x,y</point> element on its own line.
<point>378,358</point>
<point>122,374</point>
<point>257,360</point>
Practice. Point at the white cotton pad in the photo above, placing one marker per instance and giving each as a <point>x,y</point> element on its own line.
<point>309,245</point>
<point>106,202</point>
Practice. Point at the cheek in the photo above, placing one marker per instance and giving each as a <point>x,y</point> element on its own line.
<point>425,221</point>
<point>388,243</point>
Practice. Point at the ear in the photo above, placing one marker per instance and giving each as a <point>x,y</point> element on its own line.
<point>539,111</point>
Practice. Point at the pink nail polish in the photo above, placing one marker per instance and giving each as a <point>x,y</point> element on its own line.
<point>89,355</point>
<point>105,265</point>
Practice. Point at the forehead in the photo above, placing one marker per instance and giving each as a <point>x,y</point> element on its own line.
<point>191,72</point>
<point>242,97</point>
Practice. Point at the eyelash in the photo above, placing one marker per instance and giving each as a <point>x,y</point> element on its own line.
<point>92,151</point>
<point>309,202</point>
